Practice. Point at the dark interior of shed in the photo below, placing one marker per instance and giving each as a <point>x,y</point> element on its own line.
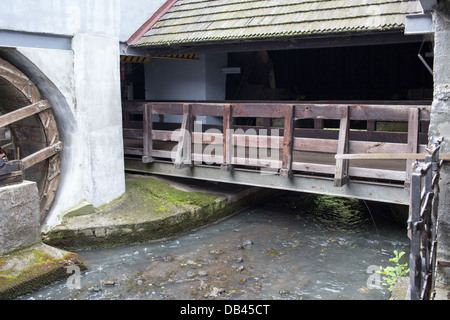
<point>377,72</point>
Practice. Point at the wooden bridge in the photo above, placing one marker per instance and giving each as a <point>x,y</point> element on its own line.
<point>324,148</point>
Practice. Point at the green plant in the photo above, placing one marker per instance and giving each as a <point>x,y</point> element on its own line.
<point>392,273</point>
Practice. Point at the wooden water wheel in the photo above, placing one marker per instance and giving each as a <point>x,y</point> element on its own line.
<point>30,132</point>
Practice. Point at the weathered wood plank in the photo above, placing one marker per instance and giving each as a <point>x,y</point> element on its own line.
<point>147,128</point>
<point>413,139</point>
<point>360,112</point>
<point>42,155</point>
<point>312,111</point>
<point>261,110</point>
<point>183,156</point>
<point>23,113</point>
<point>212,110</point>
<point>382,156</point>
<point>341,173</point>
<point>227,138</point>
<point>288,141</point>
<point>167,108</point>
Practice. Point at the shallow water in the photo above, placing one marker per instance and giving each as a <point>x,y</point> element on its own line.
<point>294,247</point>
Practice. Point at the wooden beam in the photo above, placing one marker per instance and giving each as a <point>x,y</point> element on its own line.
<point>147,127</point>
<point>227,138</point>
<point>150,22</point>
<point>183,157</point>
<point>42,155</point>
<point>382,156</point>
<point>23,113</point>
<point>341,173</point>
<point>288,142</point>
<point>413,140</point>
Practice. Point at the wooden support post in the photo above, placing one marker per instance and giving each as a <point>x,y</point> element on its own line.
<point>318,124</point>
<point>228,147</point>
<point>371,125</point>
<point>147,129</point>
<point>288,142</point>
<point>413,140</point>
<point>341,171</point>
<point>183,158</point>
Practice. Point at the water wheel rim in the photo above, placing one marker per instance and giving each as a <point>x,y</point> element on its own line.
<point>34,132</point>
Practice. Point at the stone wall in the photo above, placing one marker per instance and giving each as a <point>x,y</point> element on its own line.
<point>440,127</point>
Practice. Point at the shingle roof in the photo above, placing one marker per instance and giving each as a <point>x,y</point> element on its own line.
<point>191,21</point>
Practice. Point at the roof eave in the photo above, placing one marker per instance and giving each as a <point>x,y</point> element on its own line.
<point>286,42</point>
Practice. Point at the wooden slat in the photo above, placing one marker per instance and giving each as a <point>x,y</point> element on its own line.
<point>23,113</point>
<point>382,156</point>
<point>376,173</point>
<point>288,141</point>
<point>360,112</point>
<point>319,111</point>
<point>133,151</point>
<point>341,174</point>
<point>42,155</point>
<point>212,110</point>
<point>261,110</point>
<point>183,156</point>
<point>167,108</point>
<point>132,133</point>
<point>147,133</point>
<point>413,139</point>
<point>227,138</point>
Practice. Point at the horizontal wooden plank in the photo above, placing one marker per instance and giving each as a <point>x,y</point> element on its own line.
<point>311,111</point>
<point>132,133</point>
<point>167,108</point>
<point>23,112</point>
<point>360,112</point>
<point>212,110</point>
<point>133,151</point>
<point>388,156</point>
<point>376,173</point>
<point>259,110</point>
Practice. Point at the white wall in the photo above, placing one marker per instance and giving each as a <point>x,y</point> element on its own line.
<point>85,77</point>
<point>185,80</point>
<point>171,79</point>
<point>117,18</point>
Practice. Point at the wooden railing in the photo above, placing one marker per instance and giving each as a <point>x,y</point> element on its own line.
<point>315,150</point>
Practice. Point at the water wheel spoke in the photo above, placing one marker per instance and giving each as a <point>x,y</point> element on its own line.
<point>42,155</point>
<point>23,113</point>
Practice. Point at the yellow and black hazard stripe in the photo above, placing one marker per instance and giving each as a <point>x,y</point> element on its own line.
<point>134,59</point>
<point>188,56</point>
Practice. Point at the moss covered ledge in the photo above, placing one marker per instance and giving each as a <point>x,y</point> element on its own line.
<point>29,269</point>
<point>153,208</point>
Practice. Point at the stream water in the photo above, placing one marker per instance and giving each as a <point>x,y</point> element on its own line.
<point>293,247</point>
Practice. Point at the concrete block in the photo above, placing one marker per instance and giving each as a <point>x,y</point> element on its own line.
<point>19,216</point>
<point>82,209</point>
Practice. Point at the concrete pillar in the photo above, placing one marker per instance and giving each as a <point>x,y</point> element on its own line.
<point>19,217</point>
<point>99,116</point>
<point>440,127</point>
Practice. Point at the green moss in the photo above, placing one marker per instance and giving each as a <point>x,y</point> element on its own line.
<point>39,270</point>
<point>154,188</point>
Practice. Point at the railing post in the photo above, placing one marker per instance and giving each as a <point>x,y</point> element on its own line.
<point>228,148</point>
<point>147,133</point>
<point>288,142</point>
<point>183,157</point>
<point>414,227</point>
<point>341,171</point>
<point>413,140</point>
